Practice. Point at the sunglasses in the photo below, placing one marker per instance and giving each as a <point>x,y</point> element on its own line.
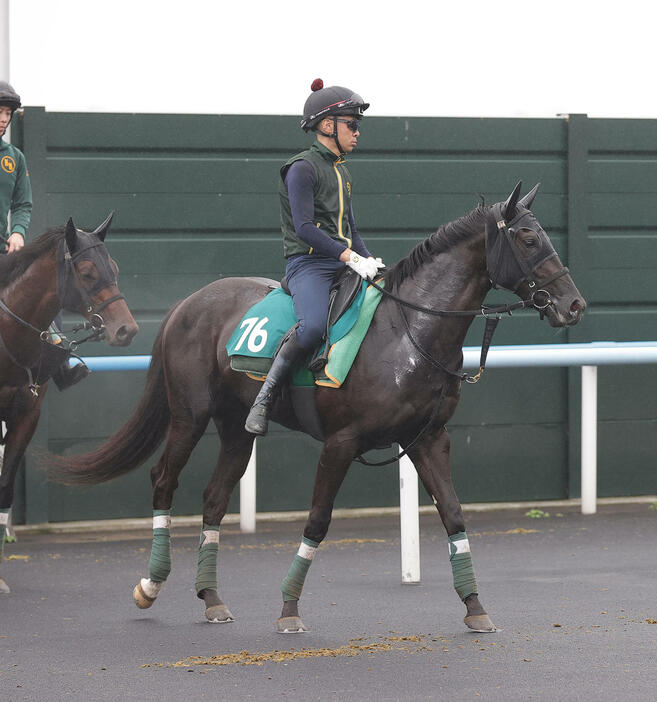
<point>352,124</point>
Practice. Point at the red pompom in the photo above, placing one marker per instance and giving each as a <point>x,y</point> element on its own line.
<point>317,84</point>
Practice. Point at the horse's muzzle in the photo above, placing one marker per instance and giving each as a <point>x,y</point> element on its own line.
<point>123,335</point>
<point>565,315</point>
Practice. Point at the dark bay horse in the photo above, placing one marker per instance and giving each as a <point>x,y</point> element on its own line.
<point>413,364</point>
<point>63,268</point>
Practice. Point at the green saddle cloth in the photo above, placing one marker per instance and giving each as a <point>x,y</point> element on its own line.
<point>257,336</point>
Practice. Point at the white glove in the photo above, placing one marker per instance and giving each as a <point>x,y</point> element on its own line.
<point>365,267</point>
<point>379,263</point>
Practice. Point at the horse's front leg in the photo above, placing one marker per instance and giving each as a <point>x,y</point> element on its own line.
<point>431,459</point>
<point>334,463</point>
<point>23,419</point>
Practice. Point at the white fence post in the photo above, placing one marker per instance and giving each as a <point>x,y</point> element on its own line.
<point>248,495</point>
<point>589,438</point>
<point>5,53</point>
<point>409,517</point>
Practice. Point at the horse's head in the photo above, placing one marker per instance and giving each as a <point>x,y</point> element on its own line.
<point>86,281</point>
<point>520,258</point>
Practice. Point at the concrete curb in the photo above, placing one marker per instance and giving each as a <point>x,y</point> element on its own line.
<point>146,523</point>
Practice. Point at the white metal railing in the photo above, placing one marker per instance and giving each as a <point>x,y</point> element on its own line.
<point>587,356</point>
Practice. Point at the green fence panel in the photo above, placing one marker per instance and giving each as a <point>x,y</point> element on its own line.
<point>195,200</point>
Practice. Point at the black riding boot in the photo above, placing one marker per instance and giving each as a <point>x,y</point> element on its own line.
<point>67,375</point>
<point>281,369</point>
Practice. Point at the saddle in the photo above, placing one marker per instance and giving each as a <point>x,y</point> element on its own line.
<point>344,288</point>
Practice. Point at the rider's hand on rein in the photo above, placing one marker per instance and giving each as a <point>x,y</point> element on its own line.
<point>365,267</point>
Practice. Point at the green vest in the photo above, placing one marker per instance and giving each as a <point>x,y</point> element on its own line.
<point>15,190</point>
<point>332,199</point>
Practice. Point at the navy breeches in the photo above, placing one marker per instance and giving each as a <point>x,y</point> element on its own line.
<point>309,279</point>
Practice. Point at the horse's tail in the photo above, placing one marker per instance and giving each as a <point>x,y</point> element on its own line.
<point>130,445</point>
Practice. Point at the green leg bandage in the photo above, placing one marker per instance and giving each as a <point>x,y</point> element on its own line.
<point>4,520</point>
<point>293,583</point>
<point>159,565</point>
<point>462,569</point>
<point>208,548</point>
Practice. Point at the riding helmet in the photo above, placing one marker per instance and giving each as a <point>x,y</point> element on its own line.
<point>335,100</point>
<point>8,96</point>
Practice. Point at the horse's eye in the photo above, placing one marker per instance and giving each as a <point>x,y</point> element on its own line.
<point>529,238</point>
<point>87,274</point>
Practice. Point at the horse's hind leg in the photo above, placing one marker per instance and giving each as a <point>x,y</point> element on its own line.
<point>183,437</point>
<point>236,446</point>
<point>431,459</point>
<point>23,420</point>
<point>333,465</point>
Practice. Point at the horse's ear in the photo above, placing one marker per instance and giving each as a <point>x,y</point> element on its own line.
<point>71,235</point>
<point>529,197</point>
<point>509,207</point>
<point>102,230</point>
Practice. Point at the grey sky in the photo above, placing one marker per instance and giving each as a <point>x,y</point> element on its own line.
<point>416,57</point>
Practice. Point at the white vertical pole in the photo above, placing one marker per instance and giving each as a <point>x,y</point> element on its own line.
<point>4,75</point>
<point>248,495</point>
<point>4,40</point>
<point>409,517</point>
<point>589,438</point>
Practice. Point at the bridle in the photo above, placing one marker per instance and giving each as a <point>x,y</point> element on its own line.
<point>529,272</point>
<point>73,296</point>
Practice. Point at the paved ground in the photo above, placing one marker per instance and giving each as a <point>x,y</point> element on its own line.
<point>575,597</point>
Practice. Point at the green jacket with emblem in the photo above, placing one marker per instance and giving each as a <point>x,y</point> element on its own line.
<point>15,190</point>
<point>332,198</point>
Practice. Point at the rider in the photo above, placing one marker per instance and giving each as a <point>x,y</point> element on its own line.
<point>16,198</point>
<point>15,189</point>
<point>319,232</point>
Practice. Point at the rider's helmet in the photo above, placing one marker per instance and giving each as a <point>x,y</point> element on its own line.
<point>9,97</point>
<point>327,102</point>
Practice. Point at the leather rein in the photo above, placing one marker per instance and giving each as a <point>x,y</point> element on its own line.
<point>539,299</point>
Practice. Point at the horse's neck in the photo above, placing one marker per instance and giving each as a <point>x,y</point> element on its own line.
<point>33,295</point>
<point>455,279</point>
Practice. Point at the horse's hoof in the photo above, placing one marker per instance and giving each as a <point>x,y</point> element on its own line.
<point>480,623</point>
<point>219,614</point>
<point>4,588</point>
<point>143,600</point>
<point>290,625</point>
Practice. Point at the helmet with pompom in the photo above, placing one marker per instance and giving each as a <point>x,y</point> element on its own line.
<point>325,102</point>
<point>8,96</point>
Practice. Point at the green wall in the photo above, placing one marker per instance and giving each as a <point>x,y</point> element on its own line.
<point>195,200</point>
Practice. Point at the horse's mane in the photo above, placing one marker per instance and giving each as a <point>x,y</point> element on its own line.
<point>12,267</point>
<point>447,236</point>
